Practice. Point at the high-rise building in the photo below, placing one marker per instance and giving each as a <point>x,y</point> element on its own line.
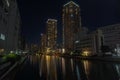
<point>43,43</point>
<point>9,25</point>
<point>71,24</point>
<point>51,34</point>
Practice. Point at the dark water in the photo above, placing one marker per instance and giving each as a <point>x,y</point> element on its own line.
<point>57,68</point>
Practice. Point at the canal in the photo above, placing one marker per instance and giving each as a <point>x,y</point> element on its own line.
<point>43,67</point>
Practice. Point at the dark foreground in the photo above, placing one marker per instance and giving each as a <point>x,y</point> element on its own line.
<point>57,68</point>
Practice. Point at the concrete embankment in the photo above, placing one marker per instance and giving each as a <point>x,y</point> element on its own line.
<point>12,67</point>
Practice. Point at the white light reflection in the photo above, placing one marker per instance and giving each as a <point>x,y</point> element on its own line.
<point>87,67</point>
<point>63,67</point>
<point>78,73</point>
<point>118,69</point>
<point>71,60</point>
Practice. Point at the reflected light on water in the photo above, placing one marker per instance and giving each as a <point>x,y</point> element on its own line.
<point>78,73</point>
<point>48,65</point>
<point>41,67</point>
<point>118,70</point>
<point>53,65</point>
<point>63,67</point>
<point>87,67</point>
<point>60,68</point>
<point>71,60</point>
<point>30,58</point>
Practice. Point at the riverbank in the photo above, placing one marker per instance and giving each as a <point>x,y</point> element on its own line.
<point>102,58</point>
<point>12,67</point>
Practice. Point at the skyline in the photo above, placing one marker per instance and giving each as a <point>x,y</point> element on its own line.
<point>93,13</point>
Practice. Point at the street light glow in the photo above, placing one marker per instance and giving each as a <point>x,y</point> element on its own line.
<point>85,53</point>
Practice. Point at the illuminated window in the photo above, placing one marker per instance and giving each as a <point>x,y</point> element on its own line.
<point>71,15</point>
<point>66,10</point>
<point>71,10</point>
<point>8,4</point>
<point>2,36</point>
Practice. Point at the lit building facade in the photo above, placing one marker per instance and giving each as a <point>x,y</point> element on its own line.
<point>111,35</point>
<point>34,48</point>
<point>89,43</point>
<point>43,43</point>
<point>71,24</point>
<point>51,34</point>
<point>9,25</point>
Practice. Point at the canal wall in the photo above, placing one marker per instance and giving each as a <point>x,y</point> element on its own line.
<point>11,67</point>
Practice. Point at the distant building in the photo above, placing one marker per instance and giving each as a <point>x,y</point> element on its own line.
<point>34,48</point>
<point>111,35</point>
<point>43,43</point>
<point>22,43</point>
<point>89,43</point>
<point>71,24</point>
<point>51,34</point>
<point>9,25</point>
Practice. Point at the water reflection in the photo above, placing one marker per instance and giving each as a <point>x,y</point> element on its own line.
<point>56,68</point>
<point>43,67</point>
<point>87,68</point>
<point>117,66</point>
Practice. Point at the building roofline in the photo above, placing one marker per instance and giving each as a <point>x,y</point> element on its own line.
<point>112,25</point>
<point>71,2</point>
<point>52,20</point>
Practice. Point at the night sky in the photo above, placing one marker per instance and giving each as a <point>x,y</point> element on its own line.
<point>94,14</point>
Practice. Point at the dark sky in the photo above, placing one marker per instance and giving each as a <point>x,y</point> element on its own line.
<point>94,14</point>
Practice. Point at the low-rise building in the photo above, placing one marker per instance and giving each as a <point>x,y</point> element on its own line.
<point>89,43</point>
<point>112,38</point>
<point>111,35</point>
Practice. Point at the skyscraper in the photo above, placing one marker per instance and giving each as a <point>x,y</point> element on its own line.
<point>51,33</point>
<point>43,43</point>
<point>10,24</point>
<point>71,24</point>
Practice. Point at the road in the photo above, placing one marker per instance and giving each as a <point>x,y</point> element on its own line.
<point>43,67</point>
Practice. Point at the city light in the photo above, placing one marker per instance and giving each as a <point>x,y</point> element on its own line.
<point>85,53</point>
<point>63,50</point>
<point>76,42</point>
<point>2,36</point>
<point>48,50</point>
<point>1,50</point>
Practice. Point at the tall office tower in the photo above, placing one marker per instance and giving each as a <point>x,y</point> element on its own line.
<point>51,33</point>
<point>71,24</point>
<point>10,23</point>
<point>43,43</point>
